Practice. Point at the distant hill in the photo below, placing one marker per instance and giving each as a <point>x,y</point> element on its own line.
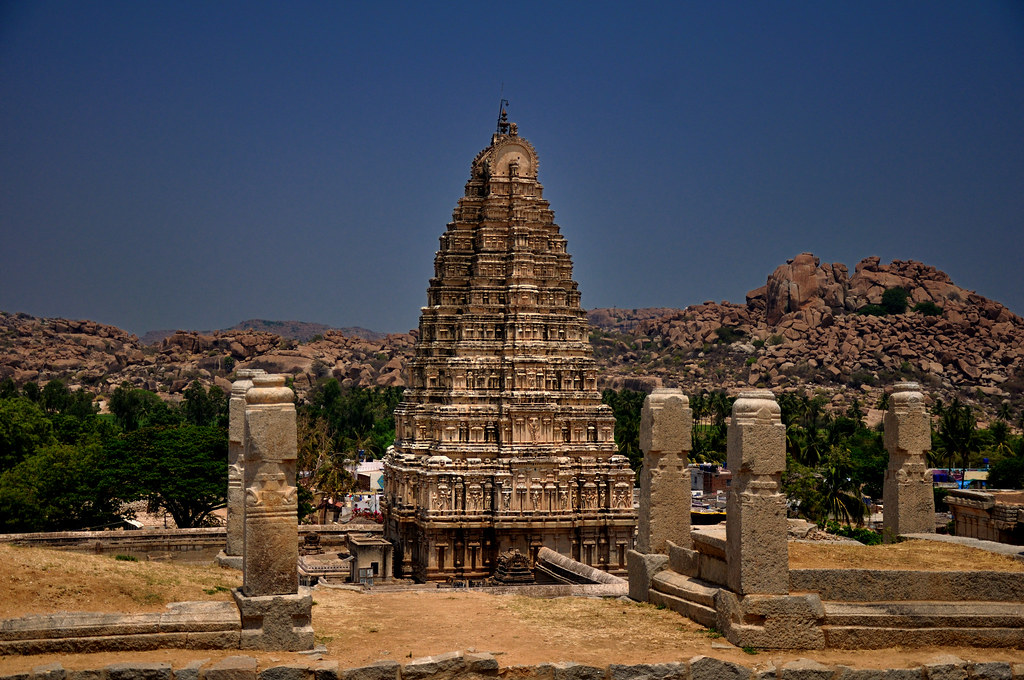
<point>813,327</point>
<point>303,331</point>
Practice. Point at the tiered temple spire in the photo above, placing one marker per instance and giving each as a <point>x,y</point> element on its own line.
<point>502,441</point>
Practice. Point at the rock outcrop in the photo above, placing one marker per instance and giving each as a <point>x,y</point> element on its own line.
<point>798,331</point>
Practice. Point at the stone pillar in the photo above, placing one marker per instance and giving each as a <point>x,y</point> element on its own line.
<point>756,552</point>
<point>907,494</point>
<point>232,555</point>
<point>274,614</point>
<point>666,424</point>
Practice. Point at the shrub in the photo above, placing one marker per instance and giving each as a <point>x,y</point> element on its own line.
<point>865,536</point>
<point>894,300</point>
<point>928,308</point>
<point>872,310</point>
<point>776,340</point>
<point>727,335</point>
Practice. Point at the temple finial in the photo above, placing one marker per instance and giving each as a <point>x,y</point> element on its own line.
<point>503,123</point>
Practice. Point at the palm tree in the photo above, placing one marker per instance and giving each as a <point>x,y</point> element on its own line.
<point>841,496</point>
<point>958,435</point>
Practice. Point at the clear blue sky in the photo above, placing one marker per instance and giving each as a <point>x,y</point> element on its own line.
<point>193,164</point>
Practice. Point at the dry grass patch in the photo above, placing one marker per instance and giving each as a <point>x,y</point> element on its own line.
<point>363,628</point>
<point>915,555</point>
<point>40,581</point>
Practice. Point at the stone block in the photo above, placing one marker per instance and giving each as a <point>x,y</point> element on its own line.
<point>434,667</point>
<point>276,622</point>
<point>947,667</point>
<point>847,673</point>
<point>759,449</point>
<point>287,672</point>
<point>386,669</point>
<point>666,422</point>
<point>481,663</point>
<point>992,670</point>
<point>576,671</point>
<point>326,670</point>
<point>806,669</point>
<point>654,671</point>
<point>904,673</point>
<point>85,674</point>
<point>27,675</point>
<point>138,671</point>
<point>710,668</point>
<point>230,668</point>
<point>50,671</point>
<point>190,671</point>
<point>769,672</point>
<point>642,568</point>
<point>683,561</point>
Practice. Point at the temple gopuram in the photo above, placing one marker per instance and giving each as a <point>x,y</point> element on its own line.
<point>502,442</point>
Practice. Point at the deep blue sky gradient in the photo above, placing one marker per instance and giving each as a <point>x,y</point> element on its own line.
<point>193,164</point>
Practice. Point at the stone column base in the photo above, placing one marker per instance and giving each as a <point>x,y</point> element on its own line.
<point>276,622</point>
<point>771,621</point>
<point>229,561</point>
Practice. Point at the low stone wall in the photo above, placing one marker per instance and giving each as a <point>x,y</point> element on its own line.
<point>207,541</point>
<point>469,666</point>
<point>184,625</point>
<point>881,585</point>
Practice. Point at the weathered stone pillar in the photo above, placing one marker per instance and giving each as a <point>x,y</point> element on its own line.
<point>274,615</point>
<point>756,527</point>
<point>666,424</point>
<point>907,493</point>
<point>232,555</point>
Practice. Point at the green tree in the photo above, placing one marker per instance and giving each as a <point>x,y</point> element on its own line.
<point>894,300</point>
<point>23,429</point>
<point>32,392</point>
<point>1007,473</point>
<point>60,487</point>
<point>133,408</point>
<point>181,469</point>
<point>626,406</point>
<point>957,435</point>
<point>55,397</point>
<point>8,390</point>
<point>841,494</point>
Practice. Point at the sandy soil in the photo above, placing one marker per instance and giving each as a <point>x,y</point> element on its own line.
<point>916,555</point>
<point>361,628</point>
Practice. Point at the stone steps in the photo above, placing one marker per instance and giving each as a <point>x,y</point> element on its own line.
<point>918,614</point>
<point>875,625</point>
<point>691,597</point>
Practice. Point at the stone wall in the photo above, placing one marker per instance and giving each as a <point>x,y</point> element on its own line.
<point>988,516</point>
<point>148,541</point>
<point>470,666</point>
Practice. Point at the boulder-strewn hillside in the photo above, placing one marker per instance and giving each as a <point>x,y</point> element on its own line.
<point>800,330</point>
<point>99,357</point>
<point>291,330</point>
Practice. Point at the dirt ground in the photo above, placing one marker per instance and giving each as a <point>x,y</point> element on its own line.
<point>359,628</point>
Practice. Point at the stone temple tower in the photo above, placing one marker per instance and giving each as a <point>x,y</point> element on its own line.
<point>502,441</point>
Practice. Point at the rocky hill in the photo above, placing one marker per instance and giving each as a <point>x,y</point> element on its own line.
<point>801,330</point>
<point>302,331</point>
